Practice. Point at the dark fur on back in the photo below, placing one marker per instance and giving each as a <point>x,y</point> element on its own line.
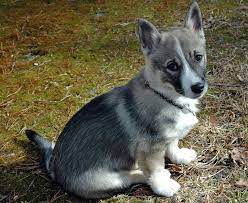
<point>83,128</point>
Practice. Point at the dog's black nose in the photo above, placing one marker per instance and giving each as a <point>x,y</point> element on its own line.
<point>197,88</point>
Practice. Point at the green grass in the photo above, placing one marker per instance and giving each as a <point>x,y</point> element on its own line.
<point>80,55</point>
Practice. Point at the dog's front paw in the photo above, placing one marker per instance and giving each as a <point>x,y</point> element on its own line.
<point>162,184</point>
<point>167,187</point>
<point>183,156</point>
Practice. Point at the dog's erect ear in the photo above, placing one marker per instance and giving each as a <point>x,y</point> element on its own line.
<point>148,35</point>
<point>193,19</point>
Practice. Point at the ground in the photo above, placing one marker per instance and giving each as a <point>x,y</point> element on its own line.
<point>57,55</point>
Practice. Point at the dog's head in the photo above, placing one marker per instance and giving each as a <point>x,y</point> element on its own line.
<point>176,58</point>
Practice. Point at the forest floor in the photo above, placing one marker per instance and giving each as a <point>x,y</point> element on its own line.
<point>57,55</point>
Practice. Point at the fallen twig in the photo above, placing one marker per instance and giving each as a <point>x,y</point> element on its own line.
<point>229,85</point>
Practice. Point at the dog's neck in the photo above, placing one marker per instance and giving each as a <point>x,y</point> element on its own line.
<point>184,108</point>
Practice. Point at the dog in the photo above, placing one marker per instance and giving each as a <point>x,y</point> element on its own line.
<point>121,138</point>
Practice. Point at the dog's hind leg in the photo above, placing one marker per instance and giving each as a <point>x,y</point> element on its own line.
<point>100,184</point>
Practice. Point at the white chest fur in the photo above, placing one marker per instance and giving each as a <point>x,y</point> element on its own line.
<point>184,122</point>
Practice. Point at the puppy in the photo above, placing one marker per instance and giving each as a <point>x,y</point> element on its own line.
<point>121,137</point>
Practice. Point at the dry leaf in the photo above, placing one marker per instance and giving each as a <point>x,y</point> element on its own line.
<point>242,183</point>
<point>239,155</point>
<point>140,190</point>
<point>231,115</point>
<point>175,168</point>
<point>221,189</point>
<point>213,120</point>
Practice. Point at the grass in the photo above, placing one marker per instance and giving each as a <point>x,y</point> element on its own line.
<point>57,55</point>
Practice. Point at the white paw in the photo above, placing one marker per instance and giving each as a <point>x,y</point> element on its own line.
<point>167,187</point>
<point>186,156</point>
<point>182,156</point>
<point>162,184</point>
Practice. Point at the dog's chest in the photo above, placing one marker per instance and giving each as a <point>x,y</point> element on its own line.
<point>183,123</point>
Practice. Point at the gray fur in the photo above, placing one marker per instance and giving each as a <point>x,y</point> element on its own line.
<point>121,137</point>
<point>45,146</point>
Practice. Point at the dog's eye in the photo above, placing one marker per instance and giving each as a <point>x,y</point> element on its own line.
<point>172,66</point>
<point>198,57</point>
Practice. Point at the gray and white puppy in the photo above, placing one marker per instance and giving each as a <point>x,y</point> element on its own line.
<point>121,137</point>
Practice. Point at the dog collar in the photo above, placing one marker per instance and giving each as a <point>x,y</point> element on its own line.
<point>183,108</point>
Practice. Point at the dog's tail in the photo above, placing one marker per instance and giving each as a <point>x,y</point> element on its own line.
<point>45,146</point>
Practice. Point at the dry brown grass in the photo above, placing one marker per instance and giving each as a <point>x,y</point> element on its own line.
<point>57,55</point>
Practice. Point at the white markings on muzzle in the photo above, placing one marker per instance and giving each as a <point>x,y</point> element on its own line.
<point>188,75</point>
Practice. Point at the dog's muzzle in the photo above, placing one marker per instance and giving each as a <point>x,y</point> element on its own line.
<point>198,88</point>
